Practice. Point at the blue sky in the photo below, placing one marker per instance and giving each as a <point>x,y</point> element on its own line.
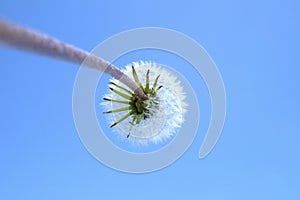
<point>255,45</point>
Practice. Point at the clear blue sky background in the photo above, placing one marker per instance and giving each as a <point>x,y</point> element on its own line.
<point>256,47</point>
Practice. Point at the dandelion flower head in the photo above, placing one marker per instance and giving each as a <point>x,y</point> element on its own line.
<point>163,112</point>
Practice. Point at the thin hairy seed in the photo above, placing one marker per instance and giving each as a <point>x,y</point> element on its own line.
<point>159,87</point>
<point>30,40</point>
<point>118,110</point>
<point>133,119</point>
<point>139,119</point>
<point>136,78</point>
<point>128,91</point>
<point>121,119</point>
<point>121,94</point>
<point>132,124</point>
<point>155,83</point>
<point>140,106</point>
<point>117,101</point>
<point>147,81</point>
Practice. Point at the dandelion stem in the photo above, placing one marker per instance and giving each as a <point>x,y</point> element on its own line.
<point>29,40</point>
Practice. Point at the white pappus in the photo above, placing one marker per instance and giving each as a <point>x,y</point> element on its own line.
<point>154,120</point>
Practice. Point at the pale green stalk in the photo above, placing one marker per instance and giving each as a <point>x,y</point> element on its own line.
<point>29,40</point>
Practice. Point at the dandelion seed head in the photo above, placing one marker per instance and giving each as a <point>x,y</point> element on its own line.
<point>165,110</point>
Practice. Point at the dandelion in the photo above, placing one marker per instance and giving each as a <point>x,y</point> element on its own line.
<point>142,121</point>
<point>146,101</point>
<point>30,40</point>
